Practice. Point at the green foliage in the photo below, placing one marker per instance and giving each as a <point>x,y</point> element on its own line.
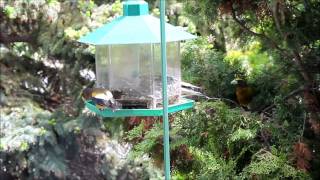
<point>198,13</point>
<point>86,7</point>
<point>242,134</point>
<point>10,11</point>
<point>74,34</point>
<point>115,127</point>
<point>205,66</point>
<point>28,143</point>
<point>51,2</point>
<point>209,166</point>
<point>224,143</point>
<point>17,130</point>
<point>150,139</point>
<point>216,130</point>
<point>252,60</point>
<point>225,128</point>
<point>288,125</point>
<point>136,132</point>
<point>117,7</point>
<point>51,145</point>
<point>272,165</point>
<point>43,164</point>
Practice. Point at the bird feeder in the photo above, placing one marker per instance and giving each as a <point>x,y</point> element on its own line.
<point>128,62</point>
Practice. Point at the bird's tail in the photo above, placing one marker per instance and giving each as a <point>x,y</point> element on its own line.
<point>114,104</point>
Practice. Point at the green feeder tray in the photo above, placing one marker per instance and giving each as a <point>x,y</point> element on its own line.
<point>182,105</point>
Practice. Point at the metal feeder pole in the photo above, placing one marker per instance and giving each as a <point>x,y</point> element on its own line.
<point>166,148</point>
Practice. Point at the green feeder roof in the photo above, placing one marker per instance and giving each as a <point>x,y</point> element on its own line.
<point>136,26</point>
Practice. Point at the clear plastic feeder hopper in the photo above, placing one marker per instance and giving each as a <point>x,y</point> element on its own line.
<point>135,71</point>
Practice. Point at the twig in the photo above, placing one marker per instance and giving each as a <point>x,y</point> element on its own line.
<point>293,93</point>
<point>303,125</point>
<point>6,39</point>
<point>217,99</point>
<point>222,99</point>
<point>262,36</point>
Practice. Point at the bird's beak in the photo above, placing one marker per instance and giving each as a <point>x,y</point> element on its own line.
<point>234,82</point>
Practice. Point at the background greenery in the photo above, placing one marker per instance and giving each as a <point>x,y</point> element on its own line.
<point>46,133</point>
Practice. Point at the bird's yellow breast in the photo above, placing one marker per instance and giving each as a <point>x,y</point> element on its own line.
<point>101,94</point>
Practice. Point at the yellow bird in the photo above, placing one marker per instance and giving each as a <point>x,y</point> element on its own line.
<point>102,98</point>
<point>244,92</point>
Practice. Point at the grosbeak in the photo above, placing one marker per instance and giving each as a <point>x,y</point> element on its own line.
<point>244,93</point>
<point>102,98</point>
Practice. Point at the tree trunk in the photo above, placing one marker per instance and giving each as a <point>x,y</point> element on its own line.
<point>310,97</point>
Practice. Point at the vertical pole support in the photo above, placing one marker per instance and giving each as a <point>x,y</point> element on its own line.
<point>166,148</point>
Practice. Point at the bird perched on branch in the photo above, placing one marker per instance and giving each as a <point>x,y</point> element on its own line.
<point>102,98</point>
<point>244,92</point>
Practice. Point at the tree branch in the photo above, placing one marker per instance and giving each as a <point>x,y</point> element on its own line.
<point>296,56</point>
<point>275,9</point>
<point>298,61</point>
<point>6,39</point>
<point>307,5</point>
<point>262,36</point>
<point>222,99</point>
<point>291,94</point>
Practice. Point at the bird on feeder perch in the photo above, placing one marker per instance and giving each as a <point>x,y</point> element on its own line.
<point>102,98</point>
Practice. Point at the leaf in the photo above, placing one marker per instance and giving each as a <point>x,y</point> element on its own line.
<point>10,11</point>
<point>242,134</point>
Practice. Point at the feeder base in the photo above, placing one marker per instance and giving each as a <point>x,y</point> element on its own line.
<point>182,105</point>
